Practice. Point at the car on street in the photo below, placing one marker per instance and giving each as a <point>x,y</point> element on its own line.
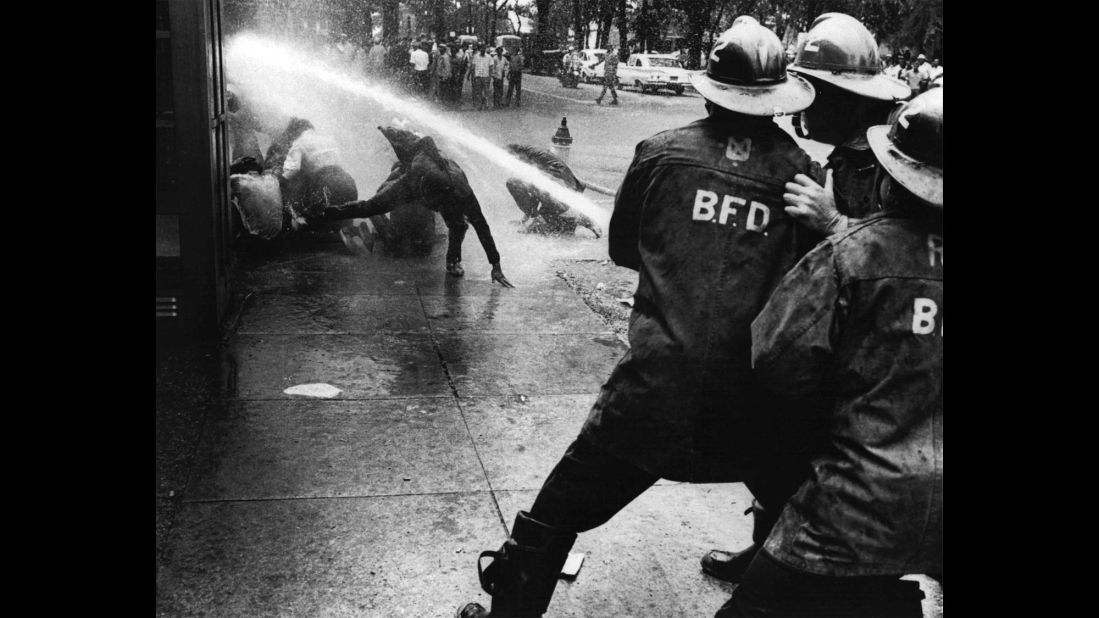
<point>653,72</point>
<point>588,59</point>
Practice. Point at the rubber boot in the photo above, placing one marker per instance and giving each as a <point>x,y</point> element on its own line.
<point>730,566</point>
<point>523,573</point>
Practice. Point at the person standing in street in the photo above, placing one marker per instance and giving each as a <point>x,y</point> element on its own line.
<point>859,323</point>
<point>515,78</point>
<point>420,61</point>
<point>461,69</point>
<point>443,69</point>
<point>480,71</point>
<point>699,216</point>
<point>376,58</point>
<point>610,75</point>
<point>499,72</point>
<point>911,76</point>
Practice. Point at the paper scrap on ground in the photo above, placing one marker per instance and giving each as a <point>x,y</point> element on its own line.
<point>324,391</point>
<point>572,565</point>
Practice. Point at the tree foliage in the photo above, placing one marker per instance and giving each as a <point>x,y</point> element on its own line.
<point>912,24</point>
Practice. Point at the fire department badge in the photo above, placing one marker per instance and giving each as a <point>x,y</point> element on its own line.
<point>738,149</point>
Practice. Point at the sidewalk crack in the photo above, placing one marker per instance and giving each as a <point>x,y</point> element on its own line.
<point>461,410</point>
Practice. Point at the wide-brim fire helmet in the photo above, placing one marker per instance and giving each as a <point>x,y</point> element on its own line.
<point>840,50</point>
<point>746,73</point>
<point>911,148</point>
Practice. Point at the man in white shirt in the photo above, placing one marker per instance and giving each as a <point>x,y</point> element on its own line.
<point>923,68</point>
<point>936,69</point>
<point>892,67</point>
<point>420,60</point>
<point>480,70</point>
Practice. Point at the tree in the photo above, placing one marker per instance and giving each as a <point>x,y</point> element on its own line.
<point>438,16</point>
<point>697,23</point>
<point>546,39</point>
<point>623,31</point>
<point>391,20</point>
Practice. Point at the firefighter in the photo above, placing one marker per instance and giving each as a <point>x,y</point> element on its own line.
<point>840,58</point>
<point>859,322</point>
<point>699,215</point>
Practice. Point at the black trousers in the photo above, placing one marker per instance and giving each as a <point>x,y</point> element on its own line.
<point>608,84</point>
<point>515,84</point>
<point>588,487</point>
<point>770,588</point>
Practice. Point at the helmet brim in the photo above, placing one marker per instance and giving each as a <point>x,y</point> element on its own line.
<point>878,86</point>
<point>789,97</point>
<point>922,180</point>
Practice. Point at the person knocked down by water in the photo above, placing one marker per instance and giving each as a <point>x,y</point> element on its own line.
<point>699,216</point>
<point>423,175</point>
<point>312,176</point>
<point>408,230</point>
<point>542,213</point>
<point>258,216</point>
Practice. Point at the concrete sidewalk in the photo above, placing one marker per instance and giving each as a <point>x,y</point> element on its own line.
<point>458,397</point>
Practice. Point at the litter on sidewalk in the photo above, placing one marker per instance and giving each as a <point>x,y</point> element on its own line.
<point>323,391</point>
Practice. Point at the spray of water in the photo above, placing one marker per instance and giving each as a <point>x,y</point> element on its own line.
<point>252,55</point>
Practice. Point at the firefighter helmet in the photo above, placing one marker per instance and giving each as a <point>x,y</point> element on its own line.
<point>911,148</point>
<point>840,50</point>
<point>746,73</point>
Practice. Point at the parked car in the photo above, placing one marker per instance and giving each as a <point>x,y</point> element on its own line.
<point>653,72</point>
<point>588,59</point>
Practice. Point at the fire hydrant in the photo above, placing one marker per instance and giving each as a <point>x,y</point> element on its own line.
<point>562,140</point>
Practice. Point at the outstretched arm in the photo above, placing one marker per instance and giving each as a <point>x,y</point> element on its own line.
<point>390,195</point>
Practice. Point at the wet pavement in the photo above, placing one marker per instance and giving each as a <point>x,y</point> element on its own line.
<point>457,398</point>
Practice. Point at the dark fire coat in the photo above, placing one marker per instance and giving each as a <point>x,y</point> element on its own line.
<point>700,216</point>
<point>859,322</point>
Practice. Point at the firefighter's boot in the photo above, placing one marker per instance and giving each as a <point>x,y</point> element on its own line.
<point>730,566</point>
<point>523,573</point>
